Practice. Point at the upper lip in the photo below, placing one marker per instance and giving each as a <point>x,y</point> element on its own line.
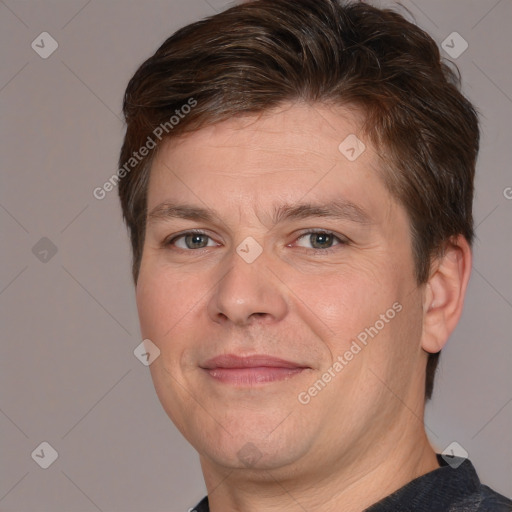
<point>253,361</point>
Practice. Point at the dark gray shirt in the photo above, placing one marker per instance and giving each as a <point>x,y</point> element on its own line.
<point>446,489</point>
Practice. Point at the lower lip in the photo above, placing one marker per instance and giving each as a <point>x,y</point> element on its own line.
<point>252,376</point>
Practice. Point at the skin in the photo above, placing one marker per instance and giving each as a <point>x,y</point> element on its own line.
<point>362,436</point>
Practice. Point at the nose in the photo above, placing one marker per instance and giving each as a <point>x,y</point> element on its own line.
<point>248,293</point>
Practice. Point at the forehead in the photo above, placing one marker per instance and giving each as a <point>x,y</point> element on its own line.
<point>289,131</point>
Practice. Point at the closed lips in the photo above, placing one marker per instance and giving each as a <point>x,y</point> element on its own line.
<point>251,370</point>
<point>254,361</point>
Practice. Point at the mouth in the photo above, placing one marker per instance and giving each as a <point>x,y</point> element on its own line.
<point>251,370</point>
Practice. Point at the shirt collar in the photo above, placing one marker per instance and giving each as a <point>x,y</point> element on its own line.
<point>437,490</point>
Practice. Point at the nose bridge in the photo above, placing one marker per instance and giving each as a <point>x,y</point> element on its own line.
<point>249,289</point>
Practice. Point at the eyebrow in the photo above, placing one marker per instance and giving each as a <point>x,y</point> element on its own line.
<point>340,209</point>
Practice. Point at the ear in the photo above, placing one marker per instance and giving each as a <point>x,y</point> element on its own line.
<point>444,293</point>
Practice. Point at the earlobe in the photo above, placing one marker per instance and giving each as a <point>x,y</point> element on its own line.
<point>444,294</point>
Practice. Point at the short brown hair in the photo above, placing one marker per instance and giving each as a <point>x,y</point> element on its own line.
<point>260,54</point>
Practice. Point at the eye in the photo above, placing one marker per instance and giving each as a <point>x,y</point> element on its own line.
<point>318,240</point>
<point>192,240</point>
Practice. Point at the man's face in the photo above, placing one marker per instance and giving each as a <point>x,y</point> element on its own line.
<point>303,261</point>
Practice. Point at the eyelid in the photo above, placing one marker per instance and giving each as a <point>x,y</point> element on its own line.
<point>170,240</point>
<point>342,241</point>
<point>341,238</point>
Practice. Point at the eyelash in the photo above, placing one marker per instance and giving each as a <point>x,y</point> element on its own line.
<point>341,241</point>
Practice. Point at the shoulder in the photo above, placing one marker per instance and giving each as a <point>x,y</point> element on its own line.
<point>202,506</point>
<point>453,487</point>
<point>491,501</point>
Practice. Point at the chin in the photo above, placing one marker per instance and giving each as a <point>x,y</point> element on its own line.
<point>247,447</point>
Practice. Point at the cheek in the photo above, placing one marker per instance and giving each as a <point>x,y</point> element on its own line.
<point>151,303</point>
<point>346,301</point>
<point>161,301</point>
<point>171,307</point>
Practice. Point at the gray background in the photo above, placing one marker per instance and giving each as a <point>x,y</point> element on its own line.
<point>69,324</point>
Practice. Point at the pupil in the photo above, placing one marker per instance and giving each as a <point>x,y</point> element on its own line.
<point>195,241</point>
<point>321,240</point>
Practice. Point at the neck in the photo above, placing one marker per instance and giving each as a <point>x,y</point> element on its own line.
<point>360,480</point>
